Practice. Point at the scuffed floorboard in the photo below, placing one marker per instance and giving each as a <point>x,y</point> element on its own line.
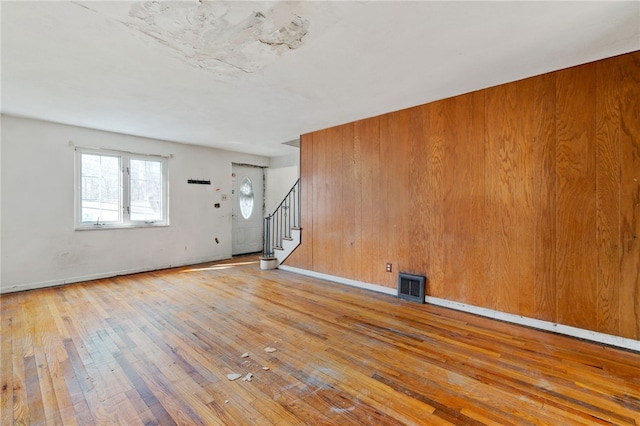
<point>157,348</point>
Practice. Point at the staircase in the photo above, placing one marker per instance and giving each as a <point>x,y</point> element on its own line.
<point>282,230</point>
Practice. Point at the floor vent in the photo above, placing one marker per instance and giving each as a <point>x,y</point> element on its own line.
<point>411,287</point>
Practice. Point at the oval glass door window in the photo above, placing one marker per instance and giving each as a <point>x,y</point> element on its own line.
<point>246,197</point>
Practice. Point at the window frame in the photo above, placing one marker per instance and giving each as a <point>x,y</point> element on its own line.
<point>125,214</point>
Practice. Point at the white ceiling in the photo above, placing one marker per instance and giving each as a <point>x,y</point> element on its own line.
<point>249,76</point>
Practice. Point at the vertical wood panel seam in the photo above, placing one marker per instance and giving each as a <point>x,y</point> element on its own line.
<point>554,144</point>
<point>597,198</point>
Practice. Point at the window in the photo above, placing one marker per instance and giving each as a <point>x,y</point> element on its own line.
<point>116,189</point>
<point>246,197</point>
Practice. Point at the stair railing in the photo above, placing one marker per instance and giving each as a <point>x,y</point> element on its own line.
<point>277,226</point>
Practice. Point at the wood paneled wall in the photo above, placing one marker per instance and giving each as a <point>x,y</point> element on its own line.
<point>524,198</point>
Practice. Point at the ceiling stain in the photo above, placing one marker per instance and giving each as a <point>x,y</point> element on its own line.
<point>210,35</point>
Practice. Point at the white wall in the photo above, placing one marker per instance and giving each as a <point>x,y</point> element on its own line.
<point>39,246</point>
<point>280,178</point>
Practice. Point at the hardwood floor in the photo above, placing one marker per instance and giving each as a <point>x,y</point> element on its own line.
<point>156,348</point>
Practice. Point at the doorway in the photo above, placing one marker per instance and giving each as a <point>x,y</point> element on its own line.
<point>247,211</point>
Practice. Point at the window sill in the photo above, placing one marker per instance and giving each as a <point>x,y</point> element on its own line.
<point>121,226</point>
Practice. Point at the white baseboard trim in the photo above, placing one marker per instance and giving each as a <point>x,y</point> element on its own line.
<point>111,274</point>
<point>567,330</point>
<point>340,280</point>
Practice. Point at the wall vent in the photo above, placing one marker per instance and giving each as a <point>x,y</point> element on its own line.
<point>411,287</point>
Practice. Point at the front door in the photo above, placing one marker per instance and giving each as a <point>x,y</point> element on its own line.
<point>247,213</point>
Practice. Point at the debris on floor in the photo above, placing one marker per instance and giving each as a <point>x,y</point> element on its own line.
<point>245,355</point>
<point>247,378</point>
<point>233,376</point>
<point>269,349</point>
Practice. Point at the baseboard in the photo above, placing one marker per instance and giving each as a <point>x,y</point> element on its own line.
<point>567,330</point>
<point>110,274</point>
<point>340,280</point>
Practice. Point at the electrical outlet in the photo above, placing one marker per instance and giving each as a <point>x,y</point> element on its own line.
<point>388,267</point>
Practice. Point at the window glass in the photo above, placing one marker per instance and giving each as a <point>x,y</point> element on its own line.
<point>246,197</point>
<point>101,188</point>
<point>145,190</point>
